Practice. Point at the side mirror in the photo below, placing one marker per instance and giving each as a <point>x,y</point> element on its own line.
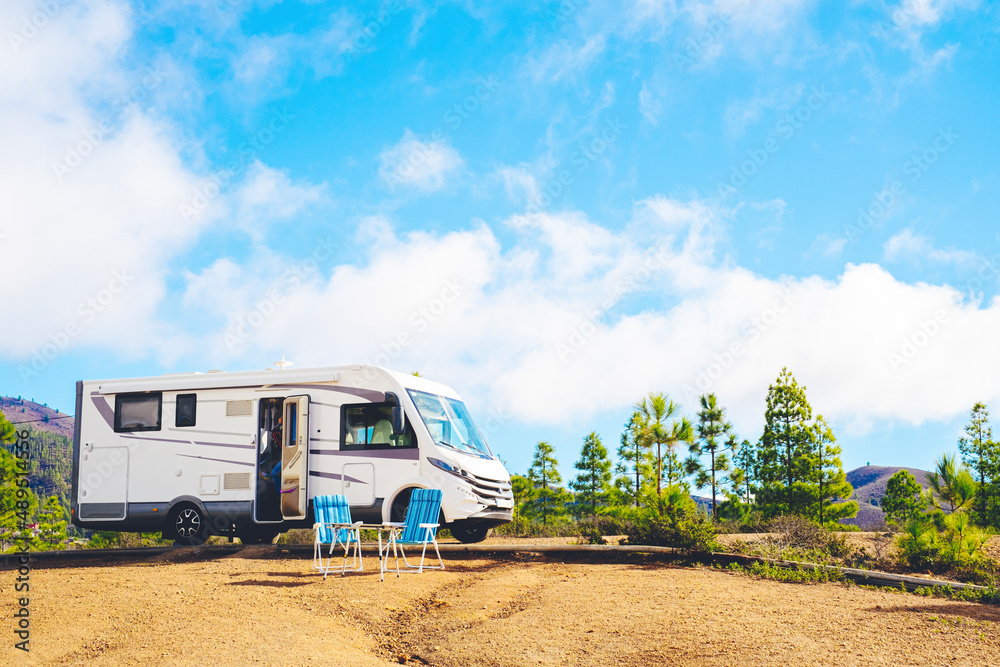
<point>398,419</point>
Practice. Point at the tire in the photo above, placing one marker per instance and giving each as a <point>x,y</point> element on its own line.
<point>397,513</point>
<point>187,526</point>
<point>467,534</point>
<point>258,536</point>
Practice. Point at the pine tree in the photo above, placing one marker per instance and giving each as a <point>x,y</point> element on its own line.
<point>653,412</point>
<point>784,448</point>
<point>545,475</point>
<point>524,492</point>
<point>592,484</point>
<point>903,499</point>
<point>51,523</point>
<point>829,477</point>
<point>744,475</point>
<point>951,483</point>
<point>634,467</point>
<point>798,465</point>
<point>715,439</point>
<point>982,456</point>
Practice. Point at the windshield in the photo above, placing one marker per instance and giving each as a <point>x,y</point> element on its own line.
<point>450,423</point>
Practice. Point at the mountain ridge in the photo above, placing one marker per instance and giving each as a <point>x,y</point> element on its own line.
<point>38,416</point>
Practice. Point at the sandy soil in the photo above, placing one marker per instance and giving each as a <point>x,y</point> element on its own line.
<point>187,608</point>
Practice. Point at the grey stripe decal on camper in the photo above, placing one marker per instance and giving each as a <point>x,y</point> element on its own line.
<point>189,442</point>
<point>146,437</point>
<point>208,458</point>
<point>368,394</point>
<point>399,453</point>
<point>222,444</point>
<point>333,475</point>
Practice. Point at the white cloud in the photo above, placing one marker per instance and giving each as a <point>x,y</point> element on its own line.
<point>95,193</point>
<point>828,246</point>
<point>566,58</point>
<point>746,16</point>
<point>96,196</point>
<point>749,28</point>
<point>595,25</point>
<point>907,245</point>
<point>265,65</point>
<point>741,114</point>
<point>908,23</point>
<point>549,329</point>
<point>914,15</point>
<point>649,105</point>
<point>266,196</point>
<point>519,183</point>
<point>424,165</point>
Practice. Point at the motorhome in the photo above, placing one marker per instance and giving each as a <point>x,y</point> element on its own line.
<point>243,453</point>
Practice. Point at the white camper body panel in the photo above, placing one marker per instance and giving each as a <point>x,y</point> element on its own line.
<point>209,451</point>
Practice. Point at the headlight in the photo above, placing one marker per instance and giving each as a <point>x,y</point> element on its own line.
<point>447,467</point>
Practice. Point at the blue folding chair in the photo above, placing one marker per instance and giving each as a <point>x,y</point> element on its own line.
<point>333,528</point>
<point>419,528</point>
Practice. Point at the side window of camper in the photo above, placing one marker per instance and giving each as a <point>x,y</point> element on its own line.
<point>187,410</point>
<point>138,412</point>
<point>369,426</point>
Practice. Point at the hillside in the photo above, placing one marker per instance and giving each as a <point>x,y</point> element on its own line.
<point>21,411</point>
<point>50,441</point>
<point>869,484</point>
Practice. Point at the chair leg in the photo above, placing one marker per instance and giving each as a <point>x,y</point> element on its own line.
<point>329,560</point>
<point>381,563</point>
<point>438,551</point>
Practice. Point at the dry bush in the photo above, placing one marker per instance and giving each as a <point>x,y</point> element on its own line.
<point>797,532</point>
<point>296,536</point>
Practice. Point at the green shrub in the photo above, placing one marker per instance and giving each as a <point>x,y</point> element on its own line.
<point>525,527</point>
<point>942,542</point>
<point>678,523</point>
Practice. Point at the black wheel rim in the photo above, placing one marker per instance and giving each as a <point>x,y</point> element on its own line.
<point>188,523</point>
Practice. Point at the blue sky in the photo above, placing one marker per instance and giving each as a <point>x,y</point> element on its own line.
<point>554,207</point>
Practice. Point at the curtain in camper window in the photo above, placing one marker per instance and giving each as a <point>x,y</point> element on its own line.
<point>138,412</point>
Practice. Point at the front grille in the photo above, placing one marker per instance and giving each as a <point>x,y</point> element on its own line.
<point>489,490</point>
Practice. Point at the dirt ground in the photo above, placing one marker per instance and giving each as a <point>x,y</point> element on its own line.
<point>255,607</point>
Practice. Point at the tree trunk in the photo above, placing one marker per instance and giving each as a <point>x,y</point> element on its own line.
<point>637,474</point>
<point>659,470</point>
<point>715,511</point>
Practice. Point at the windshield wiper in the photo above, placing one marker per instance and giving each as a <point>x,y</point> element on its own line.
<point>465,449</point>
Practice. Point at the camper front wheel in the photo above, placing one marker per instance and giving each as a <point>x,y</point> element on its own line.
<point>469,534</point>
<point>187,526</point>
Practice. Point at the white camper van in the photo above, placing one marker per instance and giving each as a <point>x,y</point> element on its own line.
<point>244,453</point>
